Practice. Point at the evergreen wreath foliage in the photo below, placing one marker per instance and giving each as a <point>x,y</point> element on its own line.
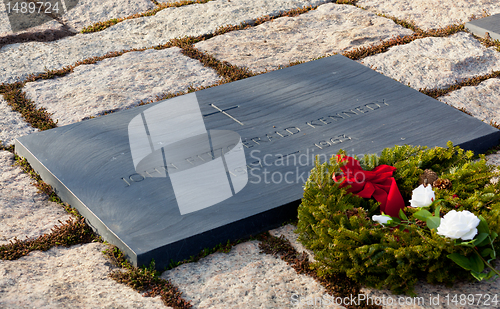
<point>337,226</point>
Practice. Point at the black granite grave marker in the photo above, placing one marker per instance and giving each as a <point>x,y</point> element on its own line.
<point>490,25</point>
<point>168,179</point>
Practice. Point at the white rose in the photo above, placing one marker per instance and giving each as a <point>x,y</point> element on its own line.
<point>459,224</point>
<point>382,219</point>
<point>422,196</point>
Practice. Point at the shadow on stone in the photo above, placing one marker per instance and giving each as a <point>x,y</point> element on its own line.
<point>40,36</point>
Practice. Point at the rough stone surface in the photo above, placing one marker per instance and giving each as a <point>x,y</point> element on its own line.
<point>482,101</point>
<point>23,211</point>
<point>74,277</point>
<point>5,28</point>
<point>494,159</point>
<point>86,13</point>
<point>440,14</point>
<point>117,83</point>
<point>288,231</point>
<point>242,278</point>
<point>4,20</point>
<point>288,39</point>
<point>12,124</point>
<point>436,62</point>
<point>20,60</point>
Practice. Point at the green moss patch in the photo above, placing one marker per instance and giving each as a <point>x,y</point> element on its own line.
<point>363,52</point>
<point>473,81</point>
<point>16,98</point>
<point>72,232</point>
<point>145,280</point>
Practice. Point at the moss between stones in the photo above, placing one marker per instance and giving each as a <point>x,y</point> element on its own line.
<point>9,148</point>
<point>473,81</point>
<point>72,232</point>
<point>42,186</point>
<point>363,52</point>
<point>145,280</point>
<point>351,2</point>
<point>336,285</point>
<point>16,98</point>
<point>160,6</point>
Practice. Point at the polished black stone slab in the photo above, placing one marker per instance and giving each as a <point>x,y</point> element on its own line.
<point>490,25</point>
<point>165,180</point>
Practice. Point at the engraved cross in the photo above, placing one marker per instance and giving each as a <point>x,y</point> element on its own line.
<point>223,111</point>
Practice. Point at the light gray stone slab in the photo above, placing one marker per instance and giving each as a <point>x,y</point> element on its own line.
<point>484,27</point>
<point>118,83</point>
<point>23,211</point>
<point>244,278</point>
<point>5,27</point>
<point>85,13</point>
<point>494,159</point>
<point>440,14</point>
<point>436,62</point>
<point>20,60</point>
<point>482,101</point>
<point>12,124</point>
<point>75,277</point>
<point>4,20</point>
<point>337,28</point>
<point>88,12</point>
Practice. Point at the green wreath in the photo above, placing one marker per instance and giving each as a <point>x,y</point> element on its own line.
<point>337,226</point>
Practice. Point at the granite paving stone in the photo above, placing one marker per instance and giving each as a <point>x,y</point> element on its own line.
<point>74,277</point>
<point>5,28</point>
<point>494,159</point>
<point>436,62</point>
<point>440,14</point>
<point>4,20</point>
<point>12,124</point>
<point>244,278</point>
<point>23,211</point>
<point>482,101</point>
<point>86,13</point>
<point>117,83</point>
<point>20,60</point>
<point>287,39</point>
